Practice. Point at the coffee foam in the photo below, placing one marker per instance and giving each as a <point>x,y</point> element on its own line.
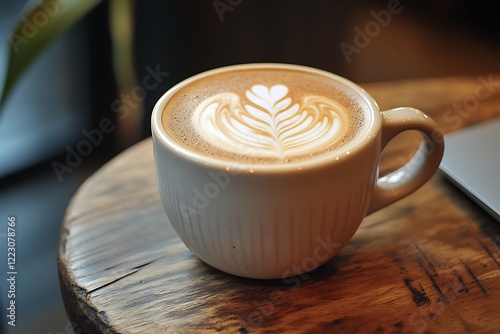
<point>264,116</point>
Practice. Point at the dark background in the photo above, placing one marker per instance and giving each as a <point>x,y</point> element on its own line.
<point>71,88</point>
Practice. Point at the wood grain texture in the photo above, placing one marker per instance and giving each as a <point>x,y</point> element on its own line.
<point>429,263</point>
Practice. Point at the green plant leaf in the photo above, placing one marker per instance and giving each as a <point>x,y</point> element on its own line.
<point>40,23</point>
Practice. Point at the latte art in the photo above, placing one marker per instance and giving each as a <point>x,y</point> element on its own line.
<point>272,123</point>
<point>264,115</point>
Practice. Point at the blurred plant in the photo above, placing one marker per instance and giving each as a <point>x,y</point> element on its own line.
<point>42,21</point>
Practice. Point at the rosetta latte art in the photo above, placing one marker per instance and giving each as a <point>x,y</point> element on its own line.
<point>272,125</point>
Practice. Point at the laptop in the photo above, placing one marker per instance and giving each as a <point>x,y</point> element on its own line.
<point>472,162</point>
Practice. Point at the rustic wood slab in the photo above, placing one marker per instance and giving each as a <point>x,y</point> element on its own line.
<point>428,264</point>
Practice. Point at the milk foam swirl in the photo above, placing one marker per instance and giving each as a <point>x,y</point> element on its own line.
<point>272,124</point>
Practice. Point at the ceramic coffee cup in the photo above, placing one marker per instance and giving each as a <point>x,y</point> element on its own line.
<point>267,170</point>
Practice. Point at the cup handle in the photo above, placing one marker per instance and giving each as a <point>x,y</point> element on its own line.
<point>411,176</point>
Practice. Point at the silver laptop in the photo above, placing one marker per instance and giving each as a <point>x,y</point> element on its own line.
<point>472,161</point>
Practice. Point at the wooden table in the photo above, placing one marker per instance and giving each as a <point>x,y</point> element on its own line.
<point>428,264</point>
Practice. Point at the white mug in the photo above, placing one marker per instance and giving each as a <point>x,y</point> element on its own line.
<point>275,221</point>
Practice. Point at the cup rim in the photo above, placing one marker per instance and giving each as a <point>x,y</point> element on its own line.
<point>347,151</point>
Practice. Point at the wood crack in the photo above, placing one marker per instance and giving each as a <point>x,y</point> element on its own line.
<point>432,274</point>
<point>112,282</point>
<point>474,277</point>
<point>488,251</point>
<point>133,271</point>
<point>418,295</point>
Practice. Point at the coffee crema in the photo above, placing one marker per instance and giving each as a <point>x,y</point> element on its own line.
<point>267,115</point>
